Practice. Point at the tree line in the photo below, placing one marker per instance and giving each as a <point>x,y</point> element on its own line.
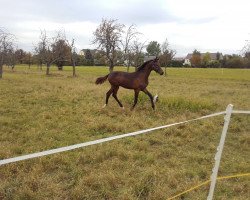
<point>116,45</point>
<point>221,61</point>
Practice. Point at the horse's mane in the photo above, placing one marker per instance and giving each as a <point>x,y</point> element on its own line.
<point>143,65</point>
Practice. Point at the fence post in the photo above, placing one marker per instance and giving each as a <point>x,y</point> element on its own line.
<point>219,151</point>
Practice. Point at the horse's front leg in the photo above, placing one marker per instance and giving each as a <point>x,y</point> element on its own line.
<point>135,98</point>
<point>108,95</point>
<point>115,96</point>
<point>150,96</point>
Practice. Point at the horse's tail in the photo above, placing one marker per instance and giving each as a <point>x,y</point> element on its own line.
<point>101,80</point>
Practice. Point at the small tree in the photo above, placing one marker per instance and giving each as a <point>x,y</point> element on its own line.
<point>206,59</point>
<point>28,59</point>
<point>89,58</point>
<point>246,49</point>
<point>61,50</point>
<point>20,55</point>
<point>196,59</point>
<point>108,38</point>
<point>11,58</point>
<point>50,50</point>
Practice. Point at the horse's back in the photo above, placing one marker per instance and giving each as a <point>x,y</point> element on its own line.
<point>123,79</point>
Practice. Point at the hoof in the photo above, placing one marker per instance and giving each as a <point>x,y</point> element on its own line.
<point>104,105</point>
<point>123,108</point>
<point>155,98</point>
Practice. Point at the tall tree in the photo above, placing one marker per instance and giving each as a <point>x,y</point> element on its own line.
<point>108,38</point>
<point>6,46</point>
<point>153,48</point>
<point>99,58</point>
<point>73,56</point>
<point>138,56</point>
<point>130,37</point>
<point>167,55</point>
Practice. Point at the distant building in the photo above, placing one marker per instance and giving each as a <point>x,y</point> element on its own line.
<point>147,58</point>
<point>213,57</point>
<point>92,51</point>
<point>179,59</point>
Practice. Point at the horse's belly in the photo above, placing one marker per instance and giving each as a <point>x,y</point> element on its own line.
<point>118,79</point>
<point>125,84</point>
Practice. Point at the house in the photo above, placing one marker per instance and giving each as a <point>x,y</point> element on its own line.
<point>213,57</point>
<point>179,59</point>
<point>83,52</point>
<point>147,58</point>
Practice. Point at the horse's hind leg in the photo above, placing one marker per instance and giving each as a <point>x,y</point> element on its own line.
<point>150,96</point>
<point>115,96</point>
<point>108,95</point>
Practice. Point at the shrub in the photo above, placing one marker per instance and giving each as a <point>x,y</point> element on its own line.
<point>234,62</point>
<point>214,64</point>
<point>176,63</point>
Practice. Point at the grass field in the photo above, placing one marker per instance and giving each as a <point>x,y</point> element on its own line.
<point>39,112</point>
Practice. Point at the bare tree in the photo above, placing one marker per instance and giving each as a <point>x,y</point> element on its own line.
<point>108,38</point>
<point>11,58</point>
<point>246,49</point>
<point>50,50</point>
<point>130,37</point>
<point>41,49</point>
<point>6,46</point>
<point>73,56</point>
<point>20,55</point>
<point>29,59</point>
<point>167,55</point>
<point>137,51</point>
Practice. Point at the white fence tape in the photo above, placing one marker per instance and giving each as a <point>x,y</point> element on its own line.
<point>240,112</point>
<point>68,148</point>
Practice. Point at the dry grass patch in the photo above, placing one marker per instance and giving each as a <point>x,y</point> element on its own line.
<point>39,113</point>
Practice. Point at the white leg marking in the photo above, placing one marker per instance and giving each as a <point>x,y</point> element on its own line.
<point>155,98</point>
<point>104,105</point>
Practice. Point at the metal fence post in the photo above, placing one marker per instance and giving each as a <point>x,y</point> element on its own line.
<point>219,151</point>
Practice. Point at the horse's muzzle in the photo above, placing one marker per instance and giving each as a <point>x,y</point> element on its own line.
<point>161,73</point>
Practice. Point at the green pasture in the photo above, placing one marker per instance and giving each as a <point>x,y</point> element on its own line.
<point>39,112</point>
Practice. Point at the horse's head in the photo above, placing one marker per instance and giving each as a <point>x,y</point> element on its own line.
<point>156,67</point>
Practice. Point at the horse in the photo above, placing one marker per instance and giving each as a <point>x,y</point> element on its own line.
<point>138,81</point>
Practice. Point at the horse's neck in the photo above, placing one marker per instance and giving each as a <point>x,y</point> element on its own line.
<point>145,73</point>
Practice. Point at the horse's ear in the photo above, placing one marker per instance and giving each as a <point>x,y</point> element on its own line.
<point>156,59</point>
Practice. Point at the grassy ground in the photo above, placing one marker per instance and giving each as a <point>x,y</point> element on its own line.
<point>39,113</point>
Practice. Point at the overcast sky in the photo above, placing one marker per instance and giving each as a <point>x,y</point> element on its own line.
<point>206,25</point>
